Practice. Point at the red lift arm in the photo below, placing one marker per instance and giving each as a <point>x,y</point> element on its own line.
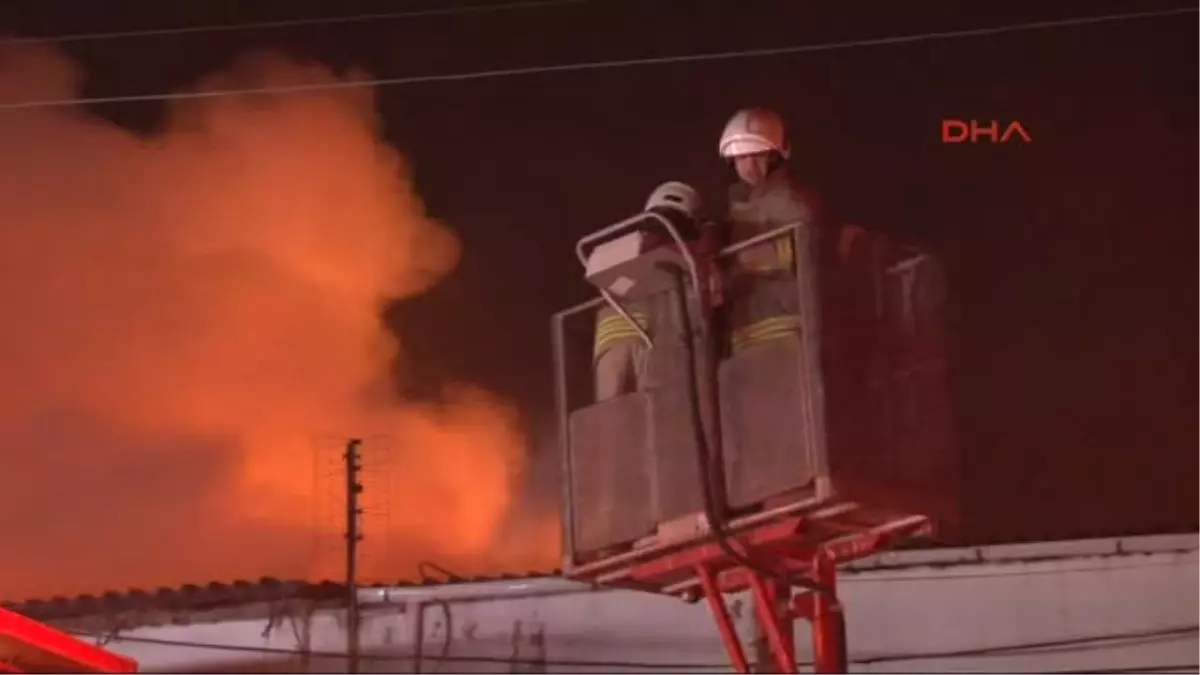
<point>808,545</point>
<point>27,646</point>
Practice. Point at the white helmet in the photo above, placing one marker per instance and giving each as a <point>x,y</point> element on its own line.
<point>677,196</point>
<point>754,130</point>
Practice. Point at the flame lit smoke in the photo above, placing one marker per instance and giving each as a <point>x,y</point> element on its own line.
<point>187,311</point>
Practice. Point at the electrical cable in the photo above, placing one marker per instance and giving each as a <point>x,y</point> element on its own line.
<point>1091,641</point>
<point>603,65</point>
<point>1012,649</point>
<point>406,656</point>
<point>874,575</point>
<point>704,454</point>
<point>289,23</point>
<point>1189,667</point>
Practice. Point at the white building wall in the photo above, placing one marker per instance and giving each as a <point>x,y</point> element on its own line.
<point>1111,605</point>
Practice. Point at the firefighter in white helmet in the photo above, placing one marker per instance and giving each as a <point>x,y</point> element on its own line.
<point>620,354</point>
<point>761,291</point>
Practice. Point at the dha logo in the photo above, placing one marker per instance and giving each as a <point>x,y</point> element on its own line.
<point>970,131</point>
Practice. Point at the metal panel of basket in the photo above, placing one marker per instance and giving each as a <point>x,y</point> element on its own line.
<point>612,473</point>
<point>762,400</point>
<point>678,490</point>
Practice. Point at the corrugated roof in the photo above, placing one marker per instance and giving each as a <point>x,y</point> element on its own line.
<point>192,603</point>
<point>180,604</point>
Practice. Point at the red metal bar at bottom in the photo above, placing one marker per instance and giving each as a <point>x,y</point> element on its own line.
<point>44,643</point>
<point>828,621</point>
<point>729,636</point>
<point>775,623</point>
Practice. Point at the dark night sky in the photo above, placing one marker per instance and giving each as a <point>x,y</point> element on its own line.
<point>1071,258</point>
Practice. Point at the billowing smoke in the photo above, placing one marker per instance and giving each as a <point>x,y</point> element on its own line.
<point>191,320</point>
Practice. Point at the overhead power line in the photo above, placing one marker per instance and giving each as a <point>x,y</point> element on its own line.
<point>291,23</point>
<point>606,65</point>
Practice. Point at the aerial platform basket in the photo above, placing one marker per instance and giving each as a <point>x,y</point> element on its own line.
<point>815,449</point>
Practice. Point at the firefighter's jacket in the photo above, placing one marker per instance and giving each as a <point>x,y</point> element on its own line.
<point>754,210</point>
<point>771,285</point>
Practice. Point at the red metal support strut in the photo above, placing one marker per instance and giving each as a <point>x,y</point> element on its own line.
<point>729,636</point>
<point>772,600</point>
<point>828,620</point>
<point>777,612</point>
<point>825,613</point>
<point>789,548</point>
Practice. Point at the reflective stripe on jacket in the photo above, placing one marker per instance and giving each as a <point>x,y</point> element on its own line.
<point>611,327</point>
<point>771,328</point>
